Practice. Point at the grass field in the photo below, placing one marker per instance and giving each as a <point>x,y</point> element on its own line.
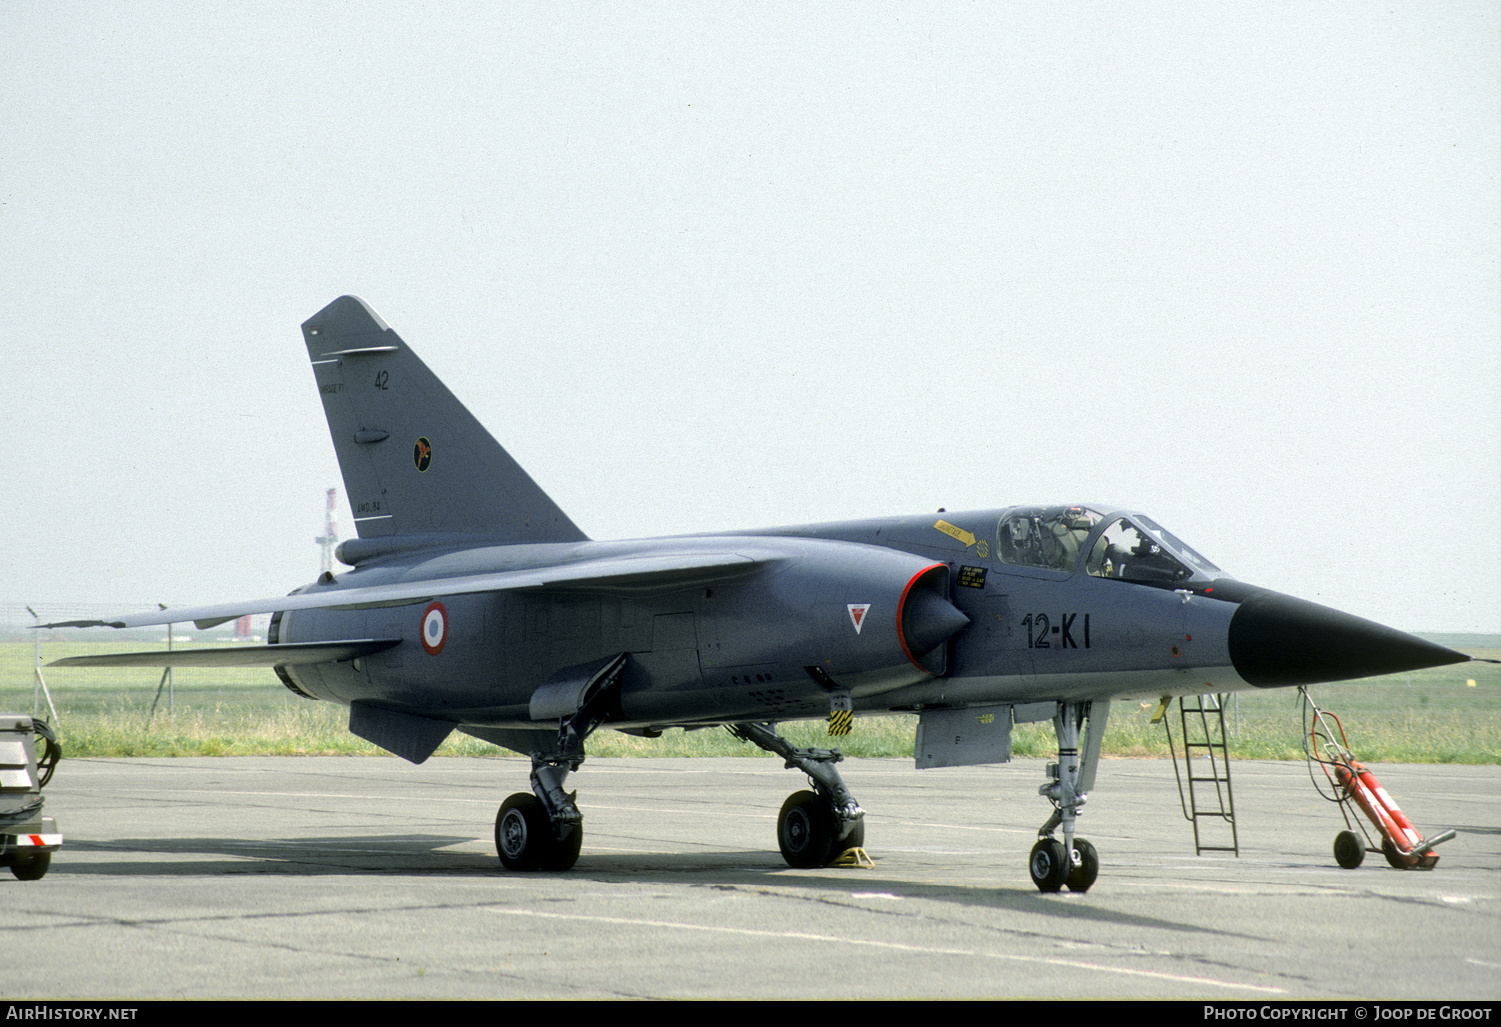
<point>1429,716</point>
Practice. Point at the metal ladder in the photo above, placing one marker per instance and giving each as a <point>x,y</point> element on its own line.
<point>1203,724</point>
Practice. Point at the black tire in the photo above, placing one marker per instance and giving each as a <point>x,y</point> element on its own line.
<point>32,867</point>
<point>1349,850</point>
<point>805,831</point>
<point>561,855</point>
<point>853,837</point>
<point>1048,864</point>
<point>1389,850</point>
<point>522,832</point>
<point>524,838</point>
<point>1082,876</point>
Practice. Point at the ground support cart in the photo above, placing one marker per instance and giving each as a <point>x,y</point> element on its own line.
<point>27,839</point>
<point>1351,783</point>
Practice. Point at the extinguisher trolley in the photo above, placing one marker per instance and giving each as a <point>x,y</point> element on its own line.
<point>1352,783</point>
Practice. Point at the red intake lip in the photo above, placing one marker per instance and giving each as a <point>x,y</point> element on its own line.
<point>901,610</point>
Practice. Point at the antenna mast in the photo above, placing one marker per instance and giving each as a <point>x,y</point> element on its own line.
<point>330,536</point>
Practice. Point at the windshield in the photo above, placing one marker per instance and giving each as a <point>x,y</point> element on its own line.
<point>1177,545</point>
<point>1128,553</point>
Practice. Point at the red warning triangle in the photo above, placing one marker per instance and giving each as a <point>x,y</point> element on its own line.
<point>857,615</point>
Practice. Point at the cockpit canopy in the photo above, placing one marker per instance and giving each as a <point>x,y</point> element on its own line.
<point>1124,546</point>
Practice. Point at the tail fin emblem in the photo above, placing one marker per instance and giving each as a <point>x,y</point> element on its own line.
<point>422,454</point>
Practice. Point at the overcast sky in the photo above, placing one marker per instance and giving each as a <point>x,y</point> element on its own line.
<point>704,266</point>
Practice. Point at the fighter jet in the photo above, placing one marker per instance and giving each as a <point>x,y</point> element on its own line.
<point>474,603</point>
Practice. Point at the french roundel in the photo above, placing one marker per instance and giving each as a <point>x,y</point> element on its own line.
<point>434,628</point>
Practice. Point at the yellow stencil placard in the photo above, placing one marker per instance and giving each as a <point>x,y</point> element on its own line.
<point>954,531</point>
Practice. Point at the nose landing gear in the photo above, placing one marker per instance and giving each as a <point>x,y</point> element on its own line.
<point>1072,861</point>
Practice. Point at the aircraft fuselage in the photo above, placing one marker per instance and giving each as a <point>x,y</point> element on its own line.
<point>773,642</point>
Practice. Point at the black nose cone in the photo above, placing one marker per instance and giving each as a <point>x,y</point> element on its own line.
<point>1276,640</point>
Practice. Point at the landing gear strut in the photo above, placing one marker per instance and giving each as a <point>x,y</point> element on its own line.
<point>814,828</point>
<point>1072,861</point>
<point>543,829</point>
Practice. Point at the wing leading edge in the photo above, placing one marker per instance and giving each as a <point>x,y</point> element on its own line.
<point>291,654</point>
<point>671,570</point>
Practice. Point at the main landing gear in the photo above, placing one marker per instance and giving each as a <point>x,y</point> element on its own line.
<point>814,828</point>
<point>543,829</point>
<point>1072,861</point>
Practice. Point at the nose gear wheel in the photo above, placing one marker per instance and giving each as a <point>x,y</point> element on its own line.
<point>1083,873</point>
<point>1048,864</point>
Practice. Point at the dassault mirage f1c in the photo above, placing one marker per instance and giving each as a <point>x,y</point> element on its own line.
<point>475,603</point>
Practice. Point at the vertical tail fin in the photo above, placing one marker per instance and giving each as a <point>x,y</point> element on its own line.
<point>414,459</point>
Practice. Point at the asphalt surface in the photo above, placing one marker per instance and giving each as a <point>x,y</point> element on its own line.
<point>359,877</point>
